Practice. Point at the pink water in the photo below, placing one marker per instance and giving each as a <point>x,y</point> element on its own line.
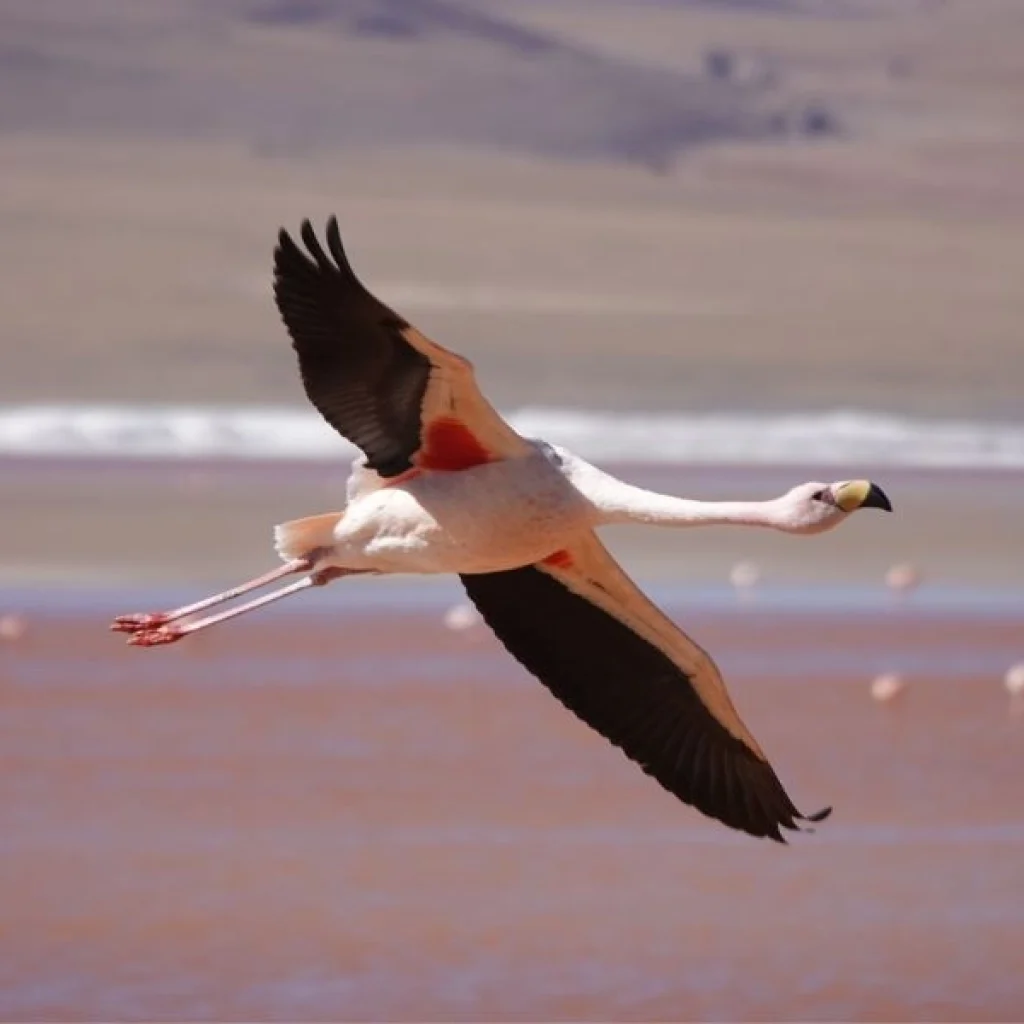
<point>362,815</point>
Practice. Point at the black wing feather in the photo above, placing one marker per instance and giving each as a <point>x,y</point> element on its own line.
<point>635,696</point>
<point>357,368</point>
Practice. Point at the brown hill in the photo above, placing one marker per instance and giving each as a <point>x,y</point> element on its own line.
<point>301,74</point>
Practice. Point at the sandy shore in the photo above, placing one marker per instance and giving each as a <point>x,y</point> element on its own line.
<point>361,817</point>
<point>568,284</point>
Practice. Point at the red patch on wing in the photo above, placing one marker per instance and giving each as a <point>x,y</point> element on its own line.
<point>559,560</point>
<point>451,446</point>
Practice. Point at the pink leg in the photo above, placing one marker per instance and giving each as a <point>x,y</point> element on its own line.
<point>142,621</point>
<point>168,634</point>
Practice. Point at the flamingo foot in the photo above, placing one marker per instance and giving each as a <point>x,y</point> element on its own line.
<point>145,637</point>
<point>138,622</point>
<point>161,628</point>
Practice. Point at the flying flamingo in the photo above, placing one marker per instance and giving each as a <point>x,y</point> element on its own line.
<point>445,485</point>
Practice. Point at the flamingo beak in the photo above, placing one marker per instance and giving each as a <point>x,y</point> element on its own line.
<point>855,494</point>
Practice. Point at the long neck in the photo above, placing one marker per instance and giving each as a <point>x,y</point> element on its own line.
<point>618,502</point>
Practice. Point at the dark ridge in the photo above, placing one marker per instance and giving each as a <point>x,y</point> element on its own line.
<point>404,19</point>
<point>439,73</point>
<point>844,9</point>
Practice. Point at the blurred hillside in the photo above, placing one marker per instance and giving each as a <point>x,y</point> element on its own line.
<point>834,217</point>
<point>305,74</point>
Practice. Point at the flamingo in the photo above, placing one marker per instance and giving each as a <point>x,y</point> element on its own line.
<point>445,485</point>
<point>887,687</point>
<point>903,579</point>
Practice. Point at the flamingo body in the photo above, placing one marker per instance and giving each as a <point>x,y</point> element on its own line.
<point>489,517</point>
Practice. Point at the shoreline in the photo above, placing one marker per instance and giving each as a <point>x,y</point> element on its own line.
<point>291,433</point>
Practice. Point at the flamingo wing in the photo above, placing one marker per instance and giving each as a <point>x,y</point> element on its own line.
<point>401,398</point>
<point>582,627</point>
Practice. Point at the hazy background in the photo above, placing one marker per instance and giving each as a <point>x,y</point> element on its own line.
<point>343,808</point>
<point>623,205</point>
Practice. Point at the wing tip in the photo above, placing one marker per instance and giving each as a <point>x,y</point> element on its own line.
<point>308,235</point>
<point>289,257</point>
<point>285,243</point>
<point>792,825</point>
<point>335,246</point>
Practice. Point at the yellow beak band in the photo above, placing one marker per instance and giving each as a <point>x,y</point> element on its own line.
<point>855,494</point>
<point>850,496</point>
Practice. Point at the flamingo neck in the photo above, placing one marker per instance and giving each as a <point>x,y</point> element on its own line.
<point>627,504</point>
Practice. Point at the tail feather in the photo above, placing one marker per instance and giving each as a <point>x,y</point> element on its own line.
<point>301,537</point>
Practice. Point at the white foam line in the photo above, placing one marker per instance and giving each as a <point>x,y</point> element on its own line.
<point>253,432</point>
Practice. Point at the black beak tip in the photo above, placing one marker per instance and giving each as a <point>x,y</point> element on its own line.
<point>877,498</point>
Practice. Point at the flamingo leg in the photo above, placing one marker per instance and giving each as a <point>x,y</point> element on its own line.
<point>146,621</point>
<point>168,633</point>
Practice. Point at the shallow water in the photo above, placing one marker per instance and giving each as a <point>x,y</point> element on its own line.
<point>349,814</point>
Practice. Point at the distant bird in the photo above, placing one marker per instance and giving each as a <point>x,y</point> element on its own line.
<point>445,485</point>
<point>887,687</point>
<point>461,617</point>
<point>1014,680</point>
<point>903,578</point>
<point>12,627</point>
<point>744,577</point>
